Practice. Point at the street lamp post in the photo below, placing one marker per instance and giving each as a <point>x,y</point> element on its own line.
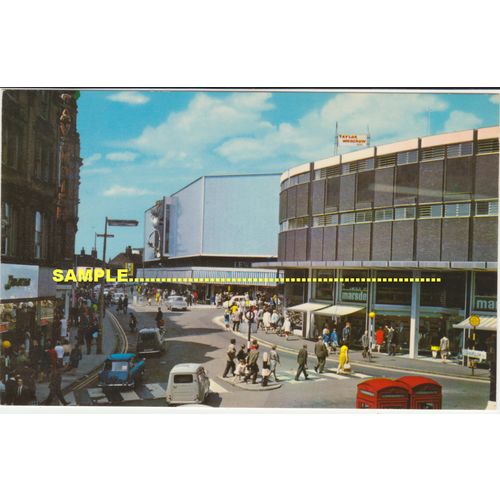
<point>110,222</point>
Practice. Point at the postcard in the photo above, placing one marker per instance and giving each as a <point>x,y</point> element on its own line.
<point>261,248</point>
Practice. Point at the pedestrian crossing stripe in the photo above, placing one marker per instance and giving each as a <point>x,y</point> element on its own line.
<point>215,387</point>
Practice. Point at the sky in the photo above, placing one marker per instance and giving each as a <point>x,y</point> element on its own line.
<point>138,146</point>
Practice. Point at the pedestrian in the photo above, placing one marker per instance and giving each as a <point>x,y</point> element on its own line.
<point>325,336</point>
<point>265,369</point>
<point>394,342</point>
<point>24,395</point>
<point>389,333</point>
<point>287,327</point>
<point>302,362</point>
<point>274,361</point>
<point>230,355</point>
<point>159,318</point>
<point>321,352</point>
<point>10,390</point>
<point>55,388</point>
<point>242,355</point>
<point>253,367</point>
<point>365,343</point>
<point>120,304</point>
<point>266,319</point>
<point>125,304</point>
<point>259,321</point>
<point>21,358</point>
<point>227,318</point>
<point>36,354</point>
<point>236,320</point>
<point>435,341</point>
<point>75,356</point>
<point>274,321</point>
<point>379,338</point>
<point>334,340</point>
<point>444,347</point>
<point>89,337</point>
<point>346,332</point>
<point>239,372</point>
<point>344,364</point>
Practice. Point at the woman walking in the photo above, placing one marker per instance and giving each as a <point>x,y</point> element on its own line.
<point>344,364</point>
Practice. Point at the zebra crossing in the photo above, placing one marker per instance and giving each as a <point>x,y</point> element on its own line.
<point>289,376</point>
<point>96,396</point>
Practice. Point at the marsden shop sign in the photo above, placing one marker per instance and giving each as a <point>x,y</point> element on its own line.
<point>354,295</point>
<point>18,281</point>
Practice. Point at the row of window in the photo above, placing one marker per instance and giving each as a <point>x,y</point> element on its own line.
<point>478,209</point>
<point>487,146</point>
<point>10,224</point>
<point>14,154</point>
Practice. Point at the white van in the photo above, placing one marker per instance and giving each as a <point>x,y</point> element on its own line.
<point>187,383</point>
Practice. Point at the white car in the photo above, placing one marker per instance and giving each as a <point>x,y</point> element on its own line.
<point>176,302</point>
<point>116,297</point>
<point>238,299</point>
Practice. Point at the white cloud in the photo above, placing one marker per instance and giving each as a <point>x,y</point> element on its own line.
<point>129,97</point>
<point>103,170</point>
<point>90,160</point>
<point>391,117</point>
<point>117,190</point>
<point>495,98</point>
<point>121,156</point>
<point>461,120</point>
<point>187,136</point>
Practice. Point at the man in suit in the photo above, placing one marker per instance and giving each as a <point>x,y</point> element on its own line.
<point>23,395</point>
<point>302,362</point>
<point>253,367</point>
<point>321,353</point>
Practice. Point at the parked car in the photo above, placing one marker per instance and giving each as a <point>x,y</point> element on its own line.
<point>151,341</point>
<point>176,302</point>
<point>238,299</point>
<point>121,371</point>
<point>187,383</point>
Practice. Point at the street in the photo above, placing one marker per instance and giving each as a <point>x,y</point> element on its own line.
<point>195,336</point>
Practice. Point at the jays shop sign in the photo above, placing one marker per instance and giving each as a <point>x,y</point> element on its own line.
<point>18,281</point>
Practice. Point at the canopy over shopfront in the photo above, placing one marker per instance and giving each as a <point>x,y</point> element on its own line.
<point>307,307</point>
<point>325,310</point>
<point>338,310</point>
<point>488,323</point>
<point>216,276</point>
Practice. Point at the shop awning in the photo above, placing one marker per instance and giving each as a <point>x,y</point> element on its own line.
<point>338,310</point>
<point>487,323</point>
<point>307,307</point>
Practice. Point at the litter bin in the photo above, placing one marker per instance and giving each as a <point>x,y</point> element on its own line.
<point>382,393</point>
<point>425,393</point>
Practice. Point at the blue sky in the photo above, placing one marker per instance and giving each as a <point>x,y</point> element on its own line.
<point>140,146</point>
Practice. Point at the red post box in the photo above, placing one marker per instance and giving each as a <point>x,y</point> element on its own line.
<point>425,393</point>
<point>382,393</point>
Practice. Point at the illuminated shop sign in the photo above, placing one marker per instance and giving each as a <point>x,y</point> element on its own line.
<point>482,303</point>
<point>18,281</point>
<point>354,295</point>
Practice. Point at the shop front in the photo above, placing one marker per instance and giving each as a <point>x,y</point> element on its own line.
<point>24,315</point>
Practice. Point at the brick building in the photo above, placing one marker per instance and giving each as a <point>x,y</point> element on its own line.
<point>40,184</point>
<point>386,217</point>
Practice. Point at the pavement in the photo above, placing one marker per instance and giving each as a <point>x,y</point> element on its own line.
<point>426,366</point>
<point>88,363</point>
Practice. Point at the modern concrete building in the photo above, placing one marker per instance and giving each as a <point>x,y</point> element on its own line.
<point>213,230</point>
<point>367,227</point>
